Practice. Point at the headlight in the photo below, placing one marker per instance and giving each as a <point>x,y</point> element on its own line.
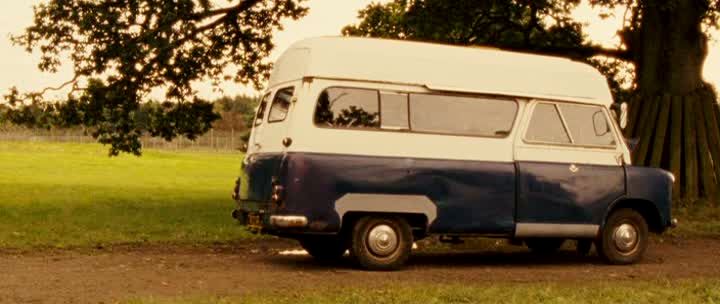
<point>672,176</point>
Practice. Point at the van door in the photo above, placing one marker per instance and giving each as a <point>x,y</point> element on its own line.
<point>276,126</point>
<point>255,140</point>
<point>569,164</point>
<point>266,151</point>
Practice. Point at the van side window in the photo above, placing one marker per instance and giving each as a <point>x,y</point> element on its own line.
<point>348,108</point>
<point>280,105</point>
<point>462,115</point>
<point>547,126</point>
<point>394,111</point>
<point>260,114</point>
<point>588,125</point>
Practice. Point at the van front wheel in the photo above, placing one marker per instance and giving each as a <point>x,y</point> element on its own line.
<point>624,237</point>
<point>381,243</point>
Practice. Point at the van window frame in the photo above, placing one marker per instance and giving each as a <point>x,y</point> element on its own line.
<point>454,94</point>
<point>572,143</point>
<point>273,102</point>
<point>409,129</point>
<point>407,103</point>
<point>260,113</point>
<point>379,105</point>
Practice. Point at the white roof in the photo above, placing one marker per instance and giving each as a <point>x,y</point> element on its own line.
<point>443,68</point>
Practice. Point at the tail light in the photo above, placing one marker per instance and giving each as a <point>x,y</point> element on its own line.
<point>236,190</point>
<point>278,194</point>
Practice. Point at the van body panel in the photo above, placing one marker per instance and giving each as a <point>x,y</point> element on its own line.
<point>257,173</point>
<point>552,193</point>
<point>651,185</point>
<point>444,67</point>
<point>477,197</point>
<point>389,143</point>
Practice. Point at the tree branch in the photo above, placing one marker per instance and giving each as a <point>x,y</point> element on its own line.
<point>60,87</point>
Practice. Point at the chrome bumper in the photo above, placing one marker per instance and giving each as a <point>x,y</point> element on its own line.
<point>288,221</point>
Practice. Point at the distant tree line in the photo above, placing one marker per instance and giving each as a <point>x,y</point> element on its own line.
<point>234,114</point>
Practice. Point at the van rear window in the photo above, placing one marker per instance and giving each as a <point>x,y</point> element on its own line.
<point>280,105</point>
<point>462,115</point>
<point>348,108</point>
<point>353,108</point>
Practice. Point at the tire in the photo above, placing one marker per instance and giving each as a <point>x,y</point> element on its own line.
<point>324,248</point>
<point>381,243</point>
<point>624,237</point>
<point>584,246</point>
<point>544,245</point>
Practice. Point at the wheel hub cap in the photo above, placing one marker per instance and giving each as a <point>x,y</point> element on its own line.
<point>382,240</point>
<point>626,238</point>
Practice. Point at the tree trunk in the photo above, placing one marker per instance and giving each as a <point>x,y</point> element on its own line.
<point>675,113</point>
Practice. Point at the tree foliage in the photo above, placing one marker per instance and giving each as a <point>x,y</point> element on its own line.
<point>657,65</point>
<point>545,27</point>
<point>123,49</point>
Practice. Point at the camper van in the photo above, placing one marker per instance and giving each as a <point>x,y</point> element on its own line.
<point>367,145</point>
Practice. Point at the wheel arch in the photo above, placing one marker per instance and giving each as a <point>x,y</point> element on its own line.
<point>647,209</point>
<point>418,221</point>
<point>418,210</point>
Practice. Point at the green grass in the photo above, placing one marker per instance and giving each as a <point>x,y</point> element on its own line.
<point>697,291</point>
<point>700,221</point>
<point>74,195</point>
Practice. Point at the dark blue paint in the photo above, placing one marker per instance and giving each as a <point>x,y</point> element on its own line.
<point>258,175</point>
<point>652,185</point>
<point>551,193</point>
<point>472,197</point>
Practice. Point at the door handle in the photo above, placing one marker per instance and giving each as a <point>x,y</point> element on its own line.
<point>573,168</point>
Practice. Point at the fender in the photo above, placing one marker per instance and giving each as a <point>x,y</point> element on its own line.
<point>650,185</point>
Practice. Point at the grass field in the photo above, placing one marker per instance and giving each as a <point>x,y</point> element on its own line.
<point>693,291</point>
<point>74,195</point>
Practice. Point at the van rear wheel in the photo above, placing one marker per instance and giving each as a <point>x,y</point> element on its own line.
<point>381,243</point>
<point>324,248</point>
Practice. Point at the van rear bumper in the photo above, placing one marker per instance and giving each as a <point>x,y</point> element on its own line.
<point>260,221</point>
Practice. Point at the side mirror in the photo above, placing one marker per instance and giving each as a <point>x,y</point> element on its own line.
<point>600,124</point>
<point>621,114</point>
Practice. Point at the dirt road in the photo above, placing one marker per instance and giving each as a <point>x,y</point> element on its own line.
<point>93,276</point>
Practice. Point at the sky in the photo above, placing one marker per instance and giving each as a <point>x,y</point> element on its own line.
<point>326,18</point>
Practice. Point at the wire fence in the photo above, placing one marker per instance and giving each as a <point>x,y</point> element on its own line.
<point>222,141</point>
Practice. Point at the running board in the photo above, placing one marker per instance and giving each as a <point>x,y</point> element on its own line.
<point>524,230</point>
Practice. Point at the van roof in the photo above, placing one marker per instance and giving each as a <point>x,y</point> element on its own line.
<point>443,68</point>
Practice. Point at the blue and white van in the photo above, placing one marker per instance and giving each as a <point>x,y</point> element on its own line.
<point>367,145</point>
